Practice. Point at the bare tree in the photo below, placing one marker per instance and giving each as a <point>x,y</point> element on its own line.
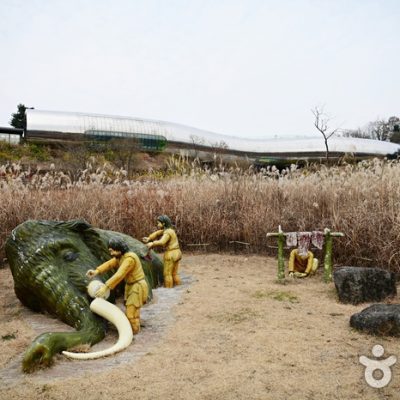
<point>355,133</point>
<point>123,152</point>
<point>197,143</point>
<point>321,122</point>
<point>380,129</point>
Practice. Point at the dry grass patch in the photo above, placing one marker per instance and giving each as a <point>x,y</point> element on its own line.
<point>276,295</point>
<point>236,317</point>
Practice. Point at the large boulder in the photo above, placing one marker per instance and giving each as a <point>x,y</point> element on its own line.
<point>359,285</point>
<point>378,319</point>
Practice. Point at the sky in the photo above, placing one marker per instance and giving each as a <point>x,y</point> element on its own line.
<point>249,68</point>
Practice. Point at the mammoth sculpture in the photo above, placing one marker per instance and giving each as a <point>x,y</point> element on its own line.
<point>48,261</point>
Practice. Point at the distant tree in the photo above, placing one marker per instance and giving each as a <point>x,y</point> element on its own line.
<point>123,153</point>
<point>221,145</point>
<point>219,149</point>
<point>395,137</point>
<point>321,122</point>
<point>73,157</point>
<point>356,133</point>
<point>394,122</point>
<point>378,130</point>
<point>197,143</point>
<point>18,119</point>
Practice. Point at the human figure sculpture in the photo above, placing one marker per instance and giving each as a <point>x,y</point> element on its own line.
<point>129,269</point>
<point>302,264</point>
<point>172,255</point>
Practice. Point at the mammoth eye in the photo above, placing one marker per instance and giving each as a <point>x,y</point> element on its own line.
<point>70,256</point>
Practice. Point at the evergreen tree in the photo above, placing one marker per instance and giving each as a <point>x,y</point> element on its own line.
<point>18,119</point>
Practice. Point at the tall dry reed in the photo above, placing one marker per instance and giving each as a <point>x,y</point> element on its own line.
<point>217,207</point>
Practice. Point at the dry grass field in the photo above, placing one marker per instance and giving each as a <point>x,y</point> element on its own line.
<point>216,207</point>
<point>235,334</point>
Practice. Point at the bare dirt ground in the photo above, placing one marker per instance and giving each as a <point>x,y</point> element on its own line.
<point>229,332</point>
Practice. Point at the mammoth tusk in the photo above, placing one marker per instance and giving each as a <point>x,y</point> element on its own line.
<point>113,314</point>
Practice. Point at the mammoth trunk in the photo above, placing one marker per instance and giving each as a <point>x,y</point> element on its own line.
<point>45,346</point>
<point>71,306</point>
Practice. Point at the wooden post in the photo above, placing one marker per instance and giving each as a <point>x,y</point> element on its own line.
<point>328,253</point>
<point>328,256</point>
<point>281,256</point>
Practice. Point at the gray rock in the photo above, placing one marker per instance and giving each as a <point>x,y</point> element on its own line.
<point>378,319</point>
<point>359,285</point>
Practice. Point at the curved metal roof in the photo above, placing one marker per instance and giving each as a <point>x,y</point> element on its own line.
<point>71,122</point>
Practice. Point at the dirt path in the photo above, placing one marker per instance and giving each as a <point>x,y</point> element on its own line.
<point>230,332</point>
